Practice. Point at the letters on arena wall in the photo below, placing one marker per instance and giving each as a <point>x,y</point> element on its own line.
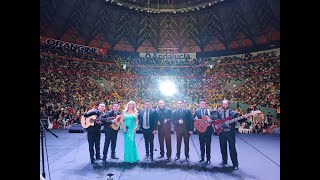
<point>169,56</point>
<point>71,46</point>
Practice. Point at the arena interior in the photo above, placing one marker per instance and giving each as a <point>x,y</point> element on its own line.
<point>94,51</point>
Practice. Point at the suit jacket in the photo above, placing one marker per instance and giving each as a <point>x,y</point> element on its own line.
<point>164,113</point>
<point>211,114</point>
<point>107,124</point>
<point>153,119</point>
<point>96,127</point>
<point>186,117</point>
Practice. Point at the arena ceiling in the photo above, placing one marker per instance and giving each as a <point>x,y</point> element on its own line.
<point>162,25</point>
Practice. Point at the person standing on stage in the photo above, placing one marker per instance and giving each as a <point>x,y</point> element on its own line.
<point>94,132</point>
<point>205,137</point>
<point>227,135</point>
<point>183,124</point>
<point>111,131</point>
<point>164,129</point>
<point>148,124</point>
<point>129,123</point>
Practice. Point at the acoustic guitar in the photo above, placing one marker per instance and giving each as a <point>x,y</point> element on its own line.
<point>89,121</point>
<point>116,124</point>
<point>202,124</point>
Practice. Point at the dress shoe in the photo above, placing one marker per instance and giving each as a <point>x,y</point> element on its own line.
<point>223,163</point>
<point>146,156</point>
<point>160,156</point>
<point>208,162</point>
<point>114,157</point>
<point>235,167</point>
<point>94,162</point>
<point>99,158</point>
<point>104,161</point>
<point>201,160</point>
<point>187,159</point>
<point>169,159</point>
<point>176,158</point>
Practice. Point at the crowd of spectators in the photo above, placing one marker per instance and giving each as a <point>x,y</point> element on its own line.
<point>68,84</point>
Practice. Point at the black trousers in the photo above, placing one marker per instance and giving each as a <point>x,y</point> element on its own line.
<point>205,144</point>
<point>165,134</point>
<point>148,141</point>
<point>224,138</point>
<point>110,137</point>
<point>94,140</point>
<point>185,134</point>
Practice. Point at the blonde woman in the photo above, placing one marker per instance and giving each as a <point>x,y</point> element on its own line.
<point>129,123</point>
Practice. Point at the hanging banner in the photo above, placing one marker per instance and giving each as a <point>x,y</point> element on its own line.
<point>169,56</point>
<point>71,46</point>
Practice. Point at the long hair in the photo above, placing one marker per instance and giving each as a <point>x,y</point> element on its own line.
<point>134,107</point>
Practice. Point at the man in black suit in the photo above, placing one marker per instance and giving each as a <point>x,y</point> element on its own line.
<point>183,124</point>
<point>164,128</point>
<point>111,133</point>
<point>227,135</point>
<point>148,124</point>
<point>205,137</point>
<point>94,132</point>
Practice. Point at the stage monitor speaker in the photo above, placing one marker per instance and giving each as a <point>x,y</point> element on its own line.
<point>76,128</point>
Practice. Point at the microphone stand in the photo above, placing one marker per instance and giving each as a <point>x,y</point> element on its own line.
<point>42,134</point>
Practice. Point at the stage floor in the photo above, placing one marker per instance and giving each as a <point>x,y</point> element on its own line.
<point>67,158</point>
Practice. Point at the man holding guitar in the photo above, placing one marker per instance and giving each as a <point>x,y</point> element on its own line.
<point>227,134</point>
<point>203,124</point>
<point>111,127</point>
<point>94,130</point>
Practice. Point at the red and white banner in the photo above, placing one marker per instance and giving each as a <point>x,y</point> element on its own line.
<point>71,46</point>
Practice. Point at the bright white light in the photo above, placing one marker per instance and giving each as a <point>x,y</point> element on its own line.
<point>167,88</point>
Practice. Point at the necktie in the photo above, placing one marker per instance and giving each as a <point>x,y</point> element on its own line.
<point>225,114</point>
<point>147,123</point>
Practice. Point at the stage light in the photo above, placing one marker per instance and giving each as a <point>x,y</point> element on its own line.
<point>167,88</point>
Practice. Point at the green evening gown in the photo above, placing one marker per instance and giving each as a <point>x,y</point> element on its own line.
<point>130,148</point>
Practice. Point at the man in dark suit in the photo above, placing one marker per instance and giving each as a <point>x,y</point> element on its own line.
<point>183,124</point>
<point>111,131</point>
<point>148,124</point>
<point>94,132</point>
<point>227,135</point>
<point>205,137</point>
<point>164,128</point>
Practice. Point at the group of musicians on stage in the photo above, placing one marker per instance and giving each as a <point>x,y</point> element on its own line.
<point>151,121</point>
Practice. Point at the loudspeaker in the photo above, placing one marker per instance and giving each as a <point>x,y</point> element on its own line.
<point>76,128</point>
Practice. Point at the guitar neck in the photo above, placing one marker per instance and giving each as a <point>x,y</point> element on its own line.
<point>234,120</point>
<point>241,117</point>
<point>103,119</point>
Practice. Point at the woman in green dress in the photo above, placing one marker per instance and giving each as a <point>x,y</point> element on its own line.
<point>129,122</point>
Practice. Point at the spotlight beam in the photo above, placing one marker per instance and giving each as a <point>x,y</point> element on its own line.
<point>167,88</point>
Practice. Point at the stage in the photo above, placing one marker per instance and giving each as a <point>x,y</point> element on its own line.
<point>67,157</point>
